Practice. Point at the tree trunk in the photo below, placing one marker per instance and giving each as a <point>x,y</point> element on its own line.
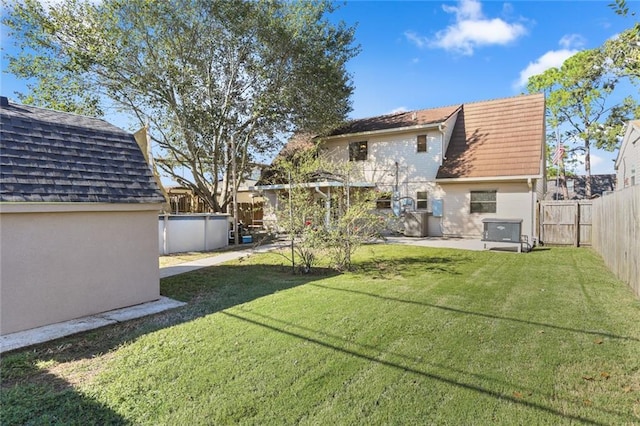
<point>562,180</point>
<point>587,168</point>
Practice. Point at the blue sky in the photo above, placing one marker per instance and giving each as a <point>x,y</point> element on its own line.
<point>423,54</point>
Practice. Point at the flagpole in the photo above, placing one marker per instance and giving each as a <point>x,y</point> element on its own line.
<point>558,173</point>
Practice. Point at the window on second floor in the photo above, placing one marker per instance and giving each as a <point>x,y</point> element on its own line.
<point>483,202</point>
<point>422,200</point>
<point>421,143</point>
<point>358,151</point>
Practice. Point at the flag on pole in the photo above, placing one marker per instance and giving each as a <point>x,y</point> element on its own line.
<point>557,155</point>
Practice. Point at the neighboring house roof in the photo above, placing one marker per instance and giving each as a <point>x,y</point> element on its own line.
<point>497,138</point>
<point>297,143</point>
<point>396,121</point>
<point>577,186</point>
<point>52,156</point>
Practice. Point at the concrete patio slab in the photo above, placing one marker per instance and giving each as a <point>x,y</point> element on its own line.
<point>454,243</point>
<point>438,242</point>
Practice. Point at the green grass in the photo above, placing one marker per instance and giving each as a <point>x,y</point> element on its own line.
<point>177,258</point>
<point>411,336</point>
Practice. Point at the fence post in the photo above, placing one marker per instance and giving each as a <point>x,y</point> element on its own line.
<point>206,235</point>
<point>576,228</point>
<point>165,244</point>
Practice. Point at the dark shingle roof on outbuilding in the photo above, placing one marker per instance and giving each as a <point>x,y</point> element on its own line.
<point>52,156</point>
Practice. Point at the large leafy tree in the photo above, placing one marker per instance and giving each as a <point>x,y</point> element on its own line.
<point>577,95</point>
<point>624,50</point>
<point>216,81</point>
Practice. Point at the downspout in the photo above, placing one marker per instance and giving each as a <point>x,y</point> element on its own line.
<point>327,206</point>
<point>533,225</point>
<point>441,128</point>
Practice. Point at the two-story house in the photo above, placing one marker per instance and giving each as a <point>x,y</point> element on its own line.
<point>461,163</point>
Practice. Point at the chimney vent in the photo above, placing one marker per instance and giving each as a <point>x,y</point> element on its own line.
<point>4,101</point>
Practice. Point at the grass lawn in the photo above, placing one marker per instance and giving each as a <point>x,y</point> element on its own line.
<point>177,258</point>
<point>412,336</point>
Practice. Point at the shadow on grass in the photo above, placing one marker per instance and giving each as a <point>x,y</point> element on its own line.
<point>379,268</point>
<point>328,337</point>
<point>36,396</point>
<point>47,401</point>
<point>480,314</point>
<point>405,368</point>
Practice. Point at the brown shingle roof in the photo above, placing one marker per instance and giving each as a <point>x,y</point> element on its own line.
<point>397,121</point>
<point>501,137</point>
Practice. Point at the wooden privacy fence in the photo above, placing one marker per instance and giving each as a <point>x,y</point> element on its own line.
<point>566,222</point>
<point>616,234</point>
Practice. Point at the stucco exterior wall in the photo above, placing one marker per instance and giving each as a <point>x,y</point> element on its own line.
<point>514,201</point>
<point>628,162</point>
<point>394,158</point>
<point>271,206</point>
<point>58,266</point>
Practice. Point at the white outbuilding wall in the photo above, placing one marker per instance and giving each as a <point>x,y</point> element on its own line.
<point>65,261</point>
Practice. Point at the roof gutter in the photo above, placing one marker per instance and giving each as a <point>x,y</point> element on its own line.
<point>325,184</point>
<point>488,179</point>
<point>67,207</point>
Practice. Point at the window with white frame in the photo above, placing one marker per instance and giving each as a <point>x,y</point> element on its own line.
<point>483,201</point>
<point>358,151</point>
<point>422,200</point>
<point>421,143</point>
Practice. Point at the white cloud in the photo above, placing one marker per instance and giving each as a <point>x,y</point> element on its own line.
<point>398,110</point>
<point>599,164</point>
<point>416,39</point>
<point>596,160</point>
<point>552,59</point>
<point>466,10</point>
<point>467,35</point>
<point>470,30</point>
<point>569,41</point>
